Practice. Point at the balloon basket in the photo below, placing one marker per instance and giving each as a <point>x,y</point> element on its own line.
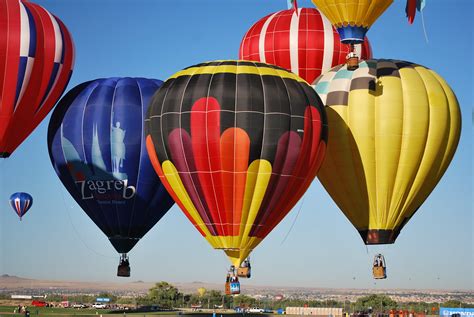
<point>352,63</point>
<point>227,288</point>
<point>123,269</point>
<point>379,272</point>
<point>243,272</point>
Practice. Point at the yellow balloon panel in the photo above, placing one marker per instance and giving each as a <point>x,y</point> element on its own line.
<point>352,12</point>
<point>394,128</point>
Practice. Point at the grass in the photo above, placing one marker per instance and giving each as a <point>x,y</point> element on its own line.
<point>7,311</point>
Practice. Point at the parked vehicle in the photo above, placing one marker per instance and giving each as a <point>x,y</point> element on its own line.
<point>99,306</point>
<point>39,303</point>
<point>79,305</point>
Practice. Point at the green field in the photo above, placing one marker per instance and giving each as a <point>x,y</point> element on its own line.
<point>66,312</point>
<point>56,311</point>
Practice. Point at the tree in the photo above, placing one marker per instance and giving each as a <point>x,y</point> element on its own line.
<point>244,301</point>
<point>164,295</point>
<point>376,303</point>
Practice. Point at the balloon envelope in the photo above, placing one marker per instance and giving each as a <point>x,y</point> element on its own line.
<point>305,43</point>
<point>37,57</point>
<point>394,128</point>
<point>352,18</point>
<point>96,145</point>
<point>236,144</point>
<point>21,203</point>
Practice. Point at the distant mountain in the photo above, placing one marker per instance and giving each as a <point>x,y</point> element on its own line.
<point>18,285</point>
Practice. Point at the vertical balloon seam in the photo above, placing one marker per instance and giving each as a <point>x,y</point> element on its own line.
<point>65,69</point>
<point>44,69</point>
<point>135,82</point>
<point>328,42</point>
<point>322,139</point>
<point>327,77</point>
<point>219,212</point>
<point>291,176</point>
<point>455,115</point>
<point>110,123</point>
<point>86,106</point>
<point>407,211</point>
<point>216,171</point>
<point>86,92</point>
<point>244,242</point>
<point>402,141</point>
<point>257,222</point>
<point>304,20</point>
<point>23,79</point>
<point>234,211</point>
<point>272,186</point>
<point>383,158</point>
<point>56,61</point>
<point>8,96</point>
<point>395,198</point>
<point>262,48</point>
<point>107,215</point>
<point>14,62</point>
<point>198,218</point>
<point>353,156</point>
<point>419,191</point>
<point>62,67</point>
<point>343,112</point>
<point>157,189</point>
<point>303,185</point>
<point>199,221</point>
<point>277,19</point>
<point>266,212</point>
<point>426,188</point>
<point>135,197</point>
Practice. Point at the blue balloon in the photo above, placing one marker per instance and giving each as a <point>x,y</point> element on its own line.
<point>21,203</point>
<point>97,147</point>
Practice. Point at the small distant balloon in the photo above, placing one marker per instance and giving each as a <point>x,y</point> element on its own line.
<point>21,203</point>
<point>201,291</point>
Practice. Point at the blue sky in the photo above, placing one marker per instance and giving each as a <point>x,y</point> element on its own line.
<point>151,38</point>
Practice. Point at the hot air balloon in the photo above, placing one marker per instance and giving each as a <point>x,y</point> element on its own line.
<point>302,41</point>
<point>37,57</point>
<point>201,291</point>
<point>96,145</point>
<point>236,144</point>
<point>352,19</point>
<point>21,203</point>
<point>395,127</point>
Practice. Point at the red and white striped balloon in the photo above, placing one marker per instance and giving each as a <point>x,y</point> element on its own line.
<point>303,42</point>
<point>36,62</point>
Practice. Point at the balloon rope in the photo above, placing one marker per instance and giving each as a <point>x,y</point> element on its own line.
<point>424,28</point>
<point>294,221</point>
<point>5,196</point>
<point>2,178</point>
<point>74,227</point>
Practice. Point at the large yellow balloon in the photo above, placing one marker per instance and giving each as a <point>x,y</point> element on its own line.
<point>352,18</point>
<point>393,129</point>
